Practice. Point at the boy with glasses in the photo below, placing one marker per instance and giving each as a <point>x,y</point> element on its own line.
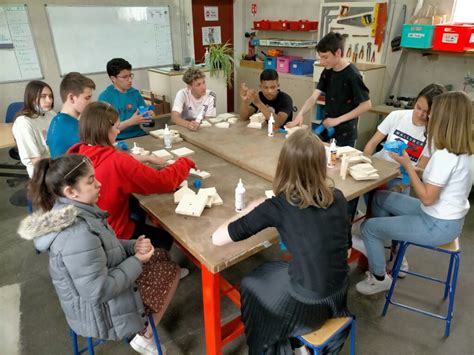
<point>125,99</point>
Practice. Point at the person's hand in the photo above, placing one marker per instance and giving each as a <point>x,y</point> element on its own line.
<point>143,245</point>
<point>253,96</point>
<point>331,122</point>
<point>151,113</point>
<point>244,92</point>
<point>144,258</point>
<point>138,118</point>
<point>403,160</point>
<point>297,121</point>
<point>153,159</point>
<point>193,125</point>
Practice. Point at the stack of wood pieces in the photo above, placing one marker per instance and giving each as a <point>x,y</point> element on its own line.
<point>364,171</point>
<point>192,204</point>
<point>139,150</point>
<point>348,156</point>
<point>257,120</point>
<point>159,133</point>
<point>224,120</point>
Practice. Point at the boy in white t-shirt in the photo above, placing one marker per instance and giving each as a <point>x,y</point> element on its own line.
<point>194,102</point>
<point>408,126</point>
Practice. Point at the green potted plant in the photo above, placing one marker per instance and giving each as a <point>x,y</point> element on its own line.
<point>221,59</point>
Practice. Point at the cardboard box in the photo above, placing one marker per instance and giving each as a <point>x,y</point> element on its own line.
<point>251,64</point>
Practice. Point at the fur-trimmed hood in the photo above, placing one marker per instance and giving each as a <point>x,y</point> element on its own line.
<point>43,227</point>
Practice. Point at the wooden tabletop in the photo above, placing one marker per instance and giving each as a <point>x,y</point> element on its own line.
<point>252,150</point>
<point>6,135</point>
<point>194,233</point>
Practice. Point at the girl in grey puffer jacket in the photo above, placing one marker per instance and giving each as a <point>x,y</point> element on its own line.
<point>93,272</point>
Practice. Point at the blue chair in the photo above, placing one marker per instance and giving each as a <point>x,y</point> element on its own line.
<point>91,343</point>
<point>453,249</point>
<point>12,110</point>
<point>320,338</point>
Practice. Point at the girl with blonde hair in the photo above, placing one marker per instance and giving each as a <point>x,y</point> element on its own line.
<point>437,216</point>
<point>281,300</point>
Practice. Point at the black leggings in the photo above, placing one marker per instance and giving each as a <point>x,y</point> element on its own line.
<point>158,236</point>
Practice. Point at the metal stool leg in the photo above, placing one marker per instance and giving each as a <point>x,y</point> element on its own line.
<point>452,293</point>
<point>398,262</point>
<point>75,348</point>
<point>448,277</point>
<point>353,338</point>
<point>90,345</point>
<point>155,334</point>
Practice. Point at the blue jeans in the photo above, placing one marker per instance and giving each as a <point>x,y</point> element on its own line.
<point>399,217</point>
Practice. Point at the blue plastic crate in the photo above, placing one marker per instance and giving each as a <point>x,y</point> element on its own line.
<point>302,66</point>
<point>270,63</point>
<point>417,36</point>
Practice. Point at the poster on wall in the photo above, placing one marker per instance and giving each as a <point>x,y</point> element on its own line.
<point>211,35</point>
<point>211,13</point>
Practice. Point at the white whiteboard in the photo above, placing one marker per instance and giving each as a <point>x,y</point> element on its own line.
<point>87,37</point>
<point>18,57</point>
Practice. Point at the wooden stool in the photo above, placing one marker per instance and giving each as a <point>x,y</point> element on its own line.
<point>453,249</point>
<point>318,339</point>
<point>91,343</point>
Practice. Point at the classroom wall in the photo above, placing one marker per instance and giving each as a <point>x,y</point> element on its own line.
<point>181,29</point>
<point>419,70</point>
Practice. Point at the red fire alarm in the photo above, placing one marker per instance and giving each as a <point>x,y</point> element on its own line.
<point>253,9</point>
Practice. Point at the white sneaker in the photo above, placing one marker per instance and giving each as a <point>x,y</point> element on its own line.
<point>143,345</point>
<point>371,285</point>
<point>183,272</point>
<point>403,267</point>
<point>301,351</point>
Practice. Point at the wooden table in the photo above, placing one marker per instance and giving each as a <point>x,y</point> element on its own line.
<point>6,135</point>
<point>252,150</point>
<point>216,155</point>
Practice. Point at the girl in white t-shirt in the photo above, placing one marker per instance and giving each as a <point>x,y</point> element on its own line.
<point>436,217</point>
<point>408,126</point>
<point>32,122</point>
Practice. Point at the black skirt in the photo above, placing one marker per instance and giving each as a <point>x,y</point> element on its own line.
<point>273,312</point>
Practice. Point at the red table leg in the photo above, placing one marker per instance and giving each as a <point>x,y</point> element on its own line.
<point>212,311</point>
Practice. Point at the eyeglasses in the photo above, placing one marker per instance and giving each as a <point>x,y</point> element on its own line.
<point>126,77</point>
<point>83,161</point>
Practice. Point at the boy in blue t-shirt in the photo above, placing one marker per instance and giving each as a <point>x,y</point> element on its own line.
<point>125,99</point>
<point>76,92</point>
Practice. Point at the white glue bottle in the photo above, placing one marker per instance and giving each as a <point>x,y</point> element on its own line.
<point>167,138</point>
<point>332,154</point>
<point>239,196</point>
<point>271,121</point>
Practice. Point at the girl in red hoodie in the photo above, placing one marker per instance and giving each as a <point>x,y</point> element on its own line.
<point>122,175</point>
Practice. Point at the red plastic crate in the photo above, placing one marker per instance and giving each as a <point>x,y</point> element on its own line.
<point>455,37</point>
<point>306,25</point>
<point>294,25</point>
<point>261,25</point>
<point>279,25</point>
